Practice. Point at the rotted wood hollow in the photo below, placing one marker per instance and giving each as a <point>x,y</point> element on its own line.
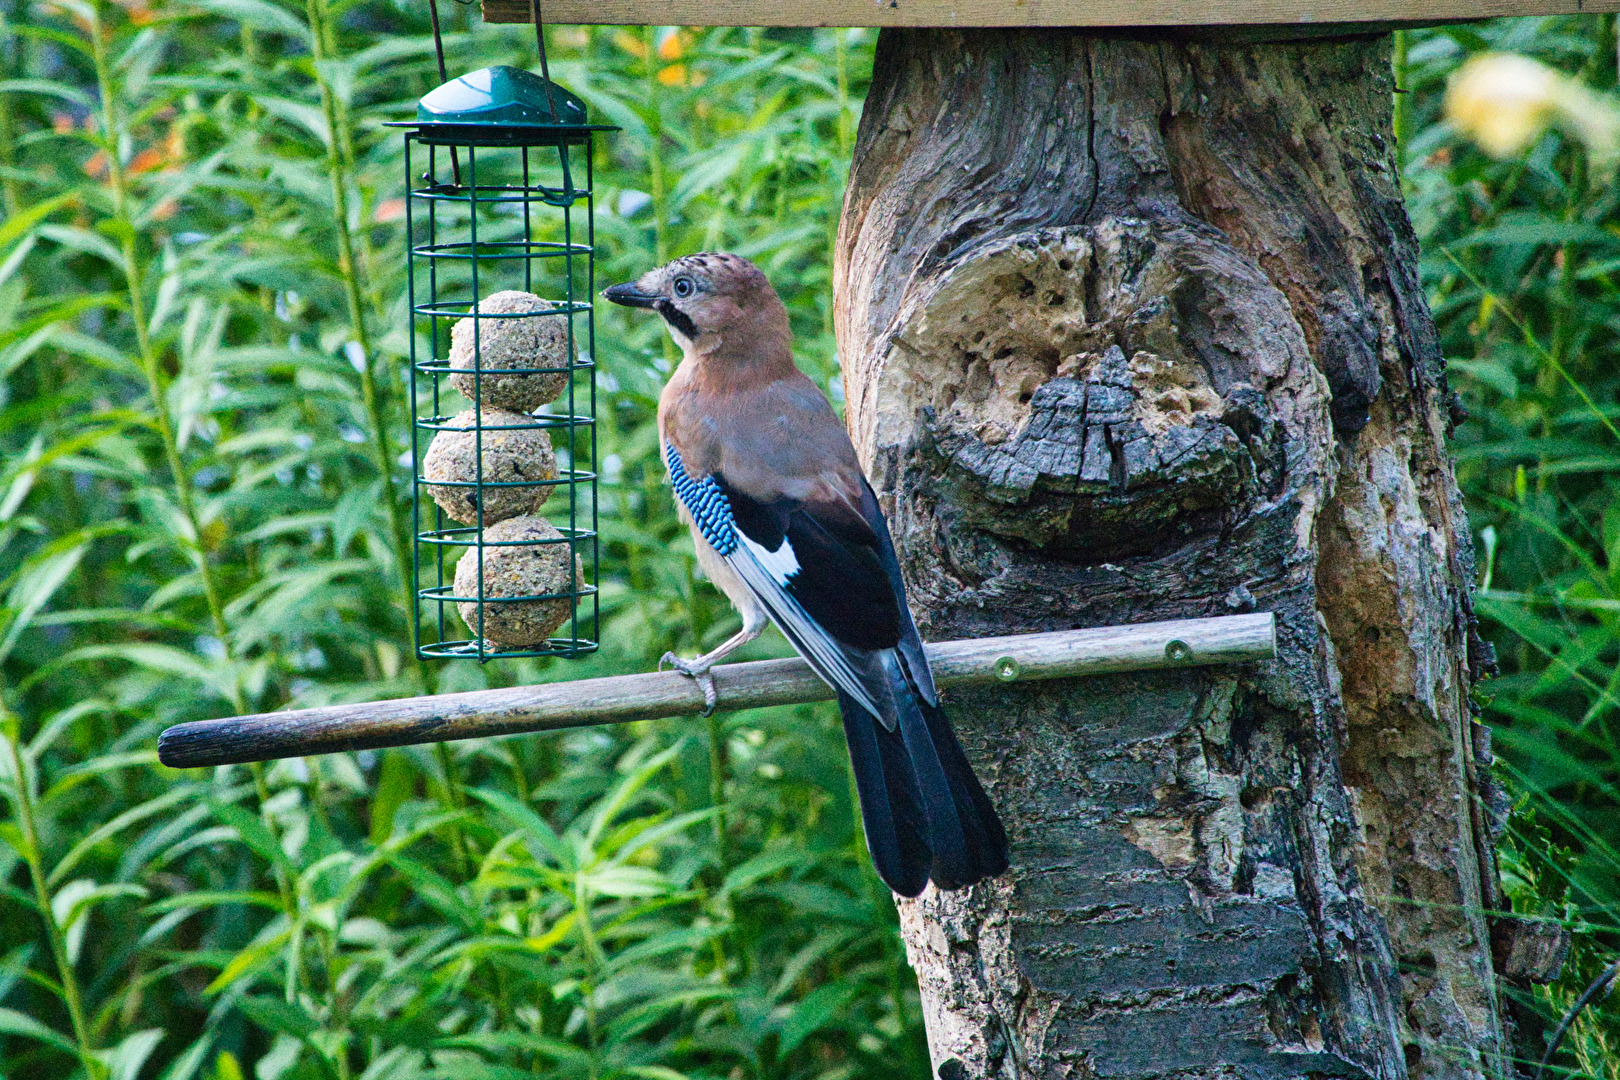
<point>623,698</point>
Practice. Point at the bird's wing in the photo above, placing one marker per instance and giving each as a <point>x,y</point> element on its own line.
<point>821,562</point>
<point>910,644</point>
<point>816,565</point>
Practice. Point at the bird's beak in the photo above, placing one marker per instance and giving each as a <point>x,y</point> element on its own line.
<point>629,295</point>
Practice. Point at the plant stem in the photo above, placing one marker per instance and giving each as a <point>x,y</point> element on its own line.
<point>593,958</point>
<point>23,800</point>
<point>717,786</point>
<point>841,58</point>
<point>340,161</point>
<point>454,800</point>
<point>10,193</point>
<point>158,389</point>
<point>337,1018</point>
<point>157,384</point>
<point>10,198</point>
<point>284,889</point>
<point>656,186</point>
<point>717,799</point>
<point>655,144</point>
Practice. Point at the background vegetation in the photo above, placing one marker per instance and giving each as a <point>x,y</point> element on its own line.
<point>202,511</point>
<point>1521,258</point>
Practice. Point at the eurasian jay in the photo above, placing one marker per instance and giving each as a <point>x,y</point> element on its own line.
<point>788,528</point>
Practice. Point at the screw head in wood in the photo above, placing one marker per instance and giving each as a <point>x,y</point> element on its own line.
<point>1177,651</point>
<point>1007,669</point>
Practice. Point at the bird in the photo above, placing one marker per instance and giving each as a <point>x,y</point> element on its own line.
<point>786,525</point>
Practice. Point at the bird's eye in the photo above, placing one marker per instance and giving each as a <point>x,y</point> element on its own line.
<point>683,287</point>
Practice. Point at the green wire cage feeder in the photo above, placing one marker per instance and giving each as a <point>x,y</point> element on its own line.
<point>504,442</point>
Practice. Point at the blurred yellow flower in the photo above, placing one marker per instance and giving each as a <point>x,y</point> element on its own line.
<point>1504,102</point>
<point>672,47</point>
<point>631,44</point>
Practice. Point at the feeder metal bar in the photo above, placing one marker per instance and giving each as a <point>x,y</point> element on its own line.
<point>623,698</point>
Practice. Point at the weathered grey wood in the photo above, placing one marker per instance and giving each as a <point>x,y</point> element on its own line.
<point>965,13</point>
<point>1132,329</point>
<point>623,698</point>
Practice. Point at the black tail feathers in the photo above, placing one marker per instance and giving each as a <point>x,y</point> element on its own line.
<point>891,804</point>
<point>925,813</point>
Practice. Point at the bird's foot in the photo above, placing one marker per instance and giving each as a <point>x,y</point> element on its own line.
<point>698,671</point>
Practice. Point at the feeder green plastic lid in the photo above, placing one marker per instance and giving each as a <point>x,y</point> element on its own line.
<point>500,96</point>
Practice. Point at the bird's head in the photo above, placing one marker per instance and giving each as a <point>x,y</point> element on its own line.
<point>712,303</point>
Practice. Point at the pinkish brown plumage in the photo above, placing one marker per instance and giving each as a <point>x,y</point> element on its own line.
<point>787,526</point>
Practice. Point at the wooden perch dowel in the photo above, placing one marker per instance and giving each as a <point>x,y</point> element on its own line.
<point>622,698</point>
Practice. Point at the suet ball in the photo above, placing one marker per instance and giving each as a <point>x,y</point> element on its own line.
<point>534,568</point>
<point>505,347</point>
<point>512,454</point>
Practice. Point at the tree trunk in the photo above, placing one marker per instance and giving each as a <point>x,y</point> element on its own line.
<point>1132,329</point>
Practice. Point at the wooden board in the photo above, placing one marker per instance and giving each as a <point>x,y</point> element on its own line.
<point>1024,12</point>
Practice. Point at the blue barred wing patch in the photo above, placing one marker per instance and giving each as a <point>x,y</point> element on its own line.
<point>706,503</point>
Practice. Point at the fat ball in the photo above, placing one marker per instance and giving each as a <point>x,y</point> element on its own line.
<point>507,346</point>
<point>535,568</point>
<point>514,452</point>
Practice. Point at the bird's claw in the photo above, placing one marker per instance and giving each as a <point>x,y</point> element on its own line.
<point>699,673</point>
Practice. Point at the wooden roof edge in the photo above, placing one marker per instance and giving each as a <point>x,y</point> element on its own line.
<point>1246,19</point>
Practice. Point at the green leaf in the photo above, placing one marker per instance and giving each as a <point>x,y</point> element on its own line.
<point>396,783</point>
<point>258,14</point>
<point>654,832</point>
<point>620,797</point>
<point>17,226</point>
<point>185,1066</point>
<point>13,1022</point>
<point>84,240</point>
<point>818,1008</point>
<point>276,1015</point>
<point>533,826</point>
<point>253,832</point>
<point>14,966</point>
<point>35,584</point>
<point>124,1061</point>
<point>624,881</point>
<point>248,959</point>
<point>1537,231</point>
<point>133,816</point>
<point>762,866</point>
<point>297,113</point>
<point>194,901</point>
<point>468,1070</point>
<point>353,513</point>
<point>437,892</point>
<point>162,660</point>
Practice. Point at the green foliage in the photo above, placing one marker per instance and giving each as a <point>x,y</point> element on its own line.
<point>1521,259</point>
<point>202,511</point>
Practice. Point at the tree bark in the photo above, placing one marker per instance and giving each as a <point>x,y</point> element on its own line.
<point>1132,329</point>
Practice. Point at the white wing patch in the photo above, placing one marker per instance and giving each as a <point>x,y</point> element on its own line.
<point>781,564</point>
<point>826,656</point>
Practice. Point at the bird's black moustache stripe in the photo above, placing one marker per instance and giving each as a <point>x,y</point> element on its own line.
<point>677,318</point>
